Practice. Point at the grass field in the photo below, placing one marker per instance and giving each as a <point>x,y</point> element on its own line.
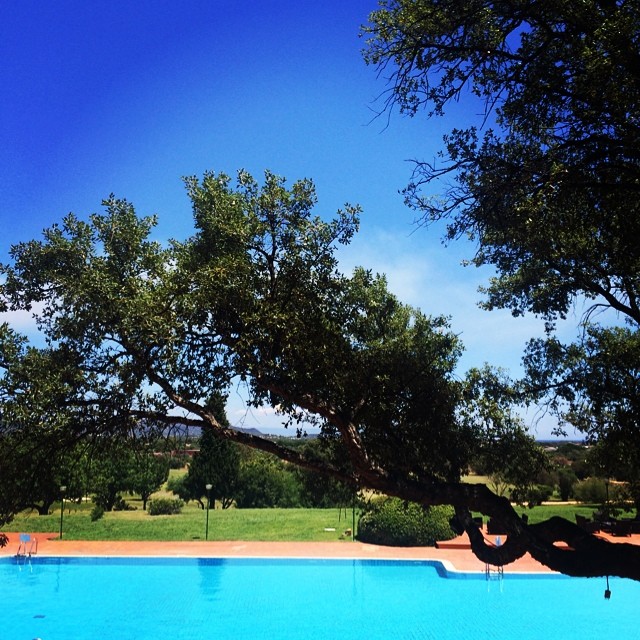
<point>568,511</point>
<point>228,524</point>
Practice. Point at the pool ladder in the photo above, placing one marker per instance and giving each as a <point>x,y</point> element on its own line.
<point>493,572</point>
<point>28,546</point>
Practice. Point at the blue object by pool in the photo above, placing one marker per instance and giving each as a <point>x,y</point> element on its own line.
<point>188,599</point>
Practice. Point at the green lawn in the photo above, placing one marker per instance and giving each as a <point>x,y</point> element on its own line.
<point>568,511</point>
<point>229,524</point>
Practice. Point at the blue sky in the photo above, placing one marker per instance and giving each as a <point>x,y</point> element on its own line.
<point>123,97</point>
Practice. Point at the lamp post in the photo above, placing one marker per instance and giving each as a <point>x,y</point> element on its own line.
<point>206,531</point>
<point>63,488</point>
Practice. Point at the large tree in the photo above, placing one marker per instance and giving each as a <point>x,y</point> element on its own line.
<point>550,192</point>
<point>149,332</point>
<point>545,179</point>
<point>41,449</point>
<point>595,386</point>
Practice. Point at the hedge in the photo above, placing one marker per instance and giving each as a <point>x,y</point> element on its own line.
<point>394,523</point>
<point>165,506</point>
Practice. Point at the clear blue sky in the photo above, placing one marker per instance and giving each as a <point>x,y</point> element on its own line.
<point>123,97</point>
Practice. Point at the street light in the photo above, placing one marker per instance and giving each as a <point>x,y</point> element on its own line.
<point>63,488</point>
<point>206,531</point>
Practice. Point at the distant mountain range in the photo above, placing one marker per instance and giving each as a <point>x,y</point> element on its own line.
<point>188,431</point>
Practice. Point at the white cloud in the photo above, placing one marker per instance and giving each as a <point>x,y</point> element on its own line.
<point>22,322</point>
<point>431,277</point>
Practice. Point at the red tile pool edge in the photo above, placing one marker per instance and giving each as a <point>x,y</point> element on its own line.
<point>460,559</point>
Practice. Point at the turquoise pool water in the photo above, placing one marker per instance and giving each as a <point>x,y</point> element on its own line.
<point>189,599</point>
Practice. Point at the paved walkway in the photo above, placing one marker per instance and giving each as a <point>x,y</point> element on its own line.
<point>455,554</point>
<point>460,559</point>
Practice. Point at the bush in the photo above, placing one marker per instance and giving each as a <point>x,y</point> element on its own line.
<point>266,482</point>
<point>532,496</point>
<point>397,524</point>
<point>165,506</point>
<point>591,490</point>
<point>594,490</point>
<point>178,485</point>
<point>178,461</point>
<point>539,494</point>
<point>122,505</point>
<point>97,512</point>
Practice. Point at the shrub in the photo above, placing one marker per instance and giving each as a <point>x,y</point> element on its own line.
<point>178,461</point>
<point>97,512</point>
<point>178,485</point>
<point>122,505</point>
<point>540,493</point>
<point>393,522</point>
<point>591,490</point>
<point>264,482</point>
<point>532,496</point>
<point>595,490</point>
<point>165,506</point>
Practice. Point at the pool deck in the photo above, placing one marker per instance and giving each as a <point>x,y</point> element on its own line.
<point>460,559</point>
<point>455,554</point>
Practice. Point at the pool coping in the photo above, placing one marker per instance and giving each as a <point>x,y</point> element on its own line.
<point>457,560</point>
<point>444,568</point>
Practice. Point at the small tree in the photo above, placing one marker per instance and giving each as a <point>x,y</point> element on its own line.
<point>178,485</point>
<point>147,474</point>
<point>591,490</point>
<point>319,490</point>
<point>567,480</point>
<point>108,475</point>
<point>265,482</point>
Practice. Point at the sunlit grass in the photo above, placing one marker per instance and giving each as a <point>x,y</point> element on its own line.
<point>474,479</point>
<point>228,524</point>
<point>567,511</point>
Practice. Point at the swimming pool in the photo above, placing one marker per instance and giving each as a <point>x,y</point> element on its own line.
<point>189,599</point>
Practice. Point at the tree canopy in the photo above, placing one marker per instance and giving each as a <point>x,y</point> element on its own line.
<point>550,190</point>
<point>140,333</point>
<point>545,181</point>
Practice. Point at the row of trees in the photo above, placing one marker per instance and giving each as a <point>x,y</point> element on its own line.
<point>103,472</point>
<point>247,478</point>
<point>253,479</point>
<point>583,473</point>
<point>139,331</point>
<point>237,475</point>
<point>573,472</point>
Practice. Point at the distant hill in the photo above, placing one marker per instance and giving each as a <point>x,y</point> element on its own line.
<point>188,431</point>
